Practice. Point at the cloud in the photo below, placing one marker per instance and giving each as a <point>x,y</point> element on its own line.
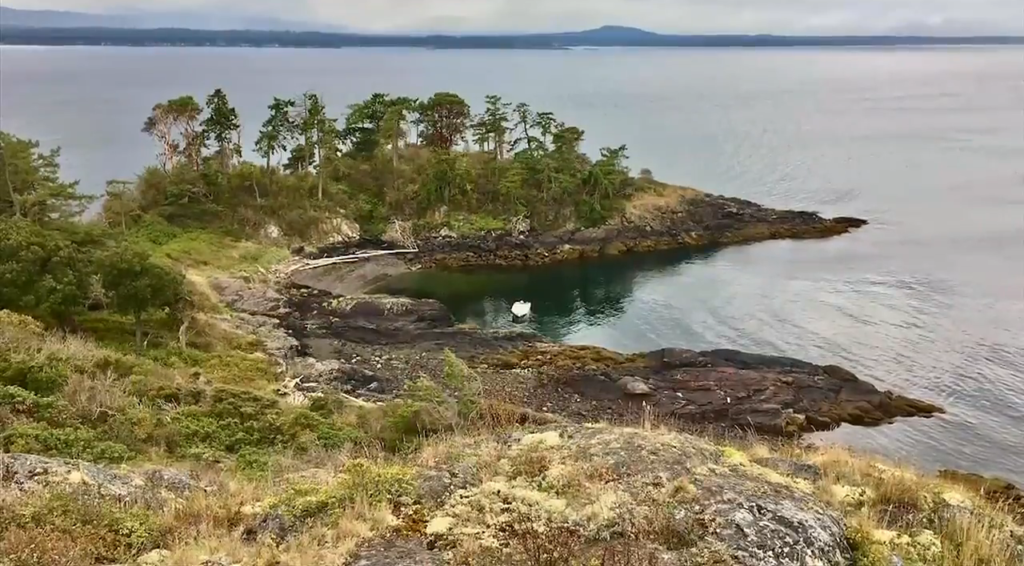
<point>684,16</point>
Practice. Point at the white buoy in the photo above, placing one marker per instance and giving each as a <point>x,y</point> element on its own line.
<point>520,310</point>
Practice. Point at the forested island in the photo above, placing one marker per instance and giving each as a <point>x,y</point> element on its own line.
<point>608,36</point>
<point>200,374</point>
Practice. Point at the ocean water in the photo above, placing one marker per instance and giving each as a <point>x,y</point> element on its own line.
<point>926,143</point>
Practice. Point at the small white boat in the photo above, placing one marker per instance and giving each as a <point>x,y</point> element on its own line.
<point>520,311</point>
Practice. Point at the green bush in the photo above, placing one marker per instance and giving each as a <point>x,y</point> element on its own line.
<point>360,481</point>
<point>253,462</point>
<point>22,403</point>
<point>232,420</point>
<point>40,376</point>
<point>69,442</point>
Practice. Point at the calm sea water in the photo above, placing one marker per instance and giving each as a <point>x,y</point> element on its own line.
<point>926,143</point>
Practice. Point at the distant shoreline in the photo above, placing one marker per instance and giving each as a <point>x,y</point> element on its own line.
<point>173,37</point>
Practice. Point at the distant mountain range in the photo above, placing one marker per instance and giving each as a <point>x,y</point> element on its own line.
<point>14,17</point>
<point>42,27</point>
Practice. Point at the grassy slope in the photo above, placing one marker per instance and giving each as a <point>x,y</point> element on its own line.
<point>347,473</point>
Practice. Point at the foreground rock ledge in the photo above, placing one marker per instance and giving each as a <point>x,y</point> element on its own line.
<point>370,345</point>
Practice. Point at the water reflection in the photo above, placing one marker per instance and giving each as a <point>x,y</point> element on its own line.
<point>565,297</point>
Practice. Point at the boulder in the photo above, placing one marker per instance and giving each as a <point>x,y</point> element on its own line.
<point>635,386</point>
<point>396,552</point>
<point>26,472</point>
<point>337,231</point>
<point>250,299</point>
<point>591,483</point>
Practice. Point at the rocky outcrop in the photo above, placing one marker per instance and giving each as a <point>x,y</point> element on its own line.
<point>767,394</point>
<point>661,217</point>
<point>667,495</point>
<point>384,341</point>
<point>26,472</point>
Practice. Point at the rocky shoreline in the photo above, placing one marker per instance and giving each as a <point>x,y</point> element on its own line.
<point>369,346</point>
<point>669,218</point>
<point>373,344</point>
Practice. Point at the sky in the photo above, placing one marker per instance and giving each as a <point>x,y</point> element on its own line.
<point>935,17</point>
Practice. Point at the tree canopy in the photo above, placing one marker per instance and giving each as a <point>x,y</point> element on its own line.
<point>432,162</point>
<point>31,183</point>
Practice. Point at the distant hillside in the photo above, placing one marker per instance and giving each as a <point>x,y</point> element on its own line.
<point>608,36</point>
<point>142,20</point>
<point>609,33</point>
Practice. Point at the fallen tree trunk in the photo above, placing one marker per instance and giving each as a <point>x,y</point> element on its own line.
<point>323,262</point>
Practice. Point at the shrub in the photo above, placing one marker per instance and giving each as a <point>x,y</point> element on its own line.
<point>70,442</point>
<point>21,403</point>
<point>361,481</point>
<point>38,375</point>
<point>73,528</point>
<point>254,463</point>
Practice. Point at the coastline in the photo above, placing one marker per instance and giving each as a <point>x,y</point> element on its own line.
<point>332,313</point>
<point>662,218</point>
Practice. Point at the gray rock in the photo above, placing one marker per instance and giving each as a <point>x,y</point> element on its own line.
<point>273,525</point>
<point>334,374</point>
<point>730,508</point>
<point>802,470</point>
<point>153,558</point>
<point>250,299</point>
<point>635,386</point>
<point>24,472</point>
<point>276,341</point>
<point>396,552</point>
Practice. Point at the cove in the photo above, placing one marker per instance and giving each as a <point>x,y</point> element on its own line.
<point>567,297</point>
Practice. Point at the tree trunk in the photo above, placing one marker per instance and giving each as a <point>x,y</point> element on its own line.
<point>394,150</point>
<point>320,172</point>
<point>270,180</point>
<point>10,187</point>
<point>183,333</point>
<point>256,189</point>
<point>138,331</point>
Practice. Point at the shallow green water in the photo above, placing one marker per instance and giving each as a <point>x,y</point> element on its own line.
<point>566,299</point>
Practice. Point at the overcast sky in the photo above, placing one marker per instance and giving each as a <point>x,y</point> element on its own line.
<point>695,16</point>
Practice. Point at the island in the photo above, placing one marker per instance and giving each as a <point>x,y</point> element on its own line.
<point>606,36</point>
<point>203,373</point>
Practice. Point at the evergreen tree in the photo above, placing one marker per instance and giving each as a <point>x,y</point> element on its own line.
<point>32,187</point>
<point>222,127</point>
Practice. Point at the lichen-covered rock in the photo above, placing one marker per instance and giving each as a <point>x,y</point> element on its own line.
<point>26,472</point>
<point>679,495</point>
<point>803,470</point>
<point>250,299</point>
<point>337,230</point>
<point>396,552</point>
<point>276,342</point>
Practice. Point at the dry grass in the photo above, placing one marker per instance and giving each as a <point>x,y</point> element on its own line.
<point>103,394</point>
<point>892,509</point>
<point>658,199</point>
